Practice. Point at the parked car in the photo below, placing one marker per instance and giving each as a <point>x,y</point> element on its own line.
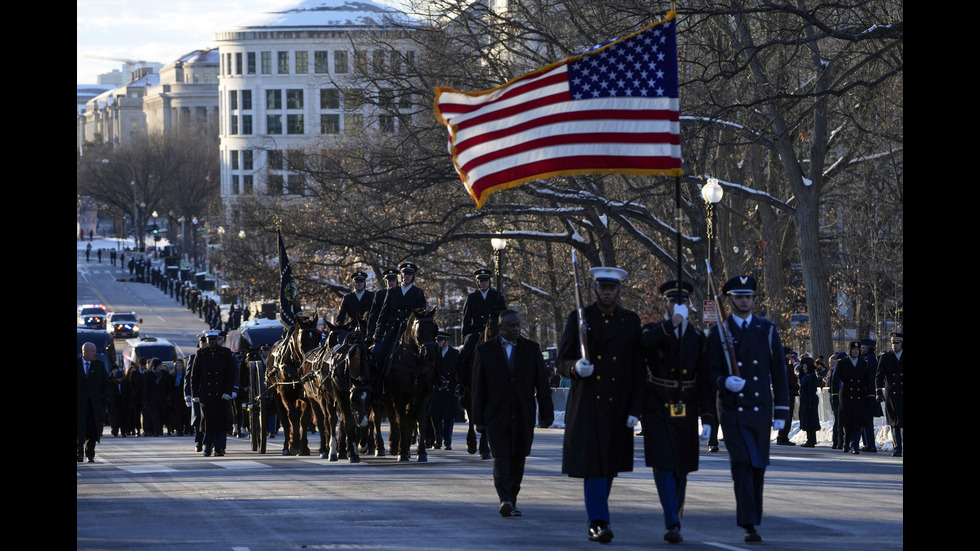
<point>124,325</point>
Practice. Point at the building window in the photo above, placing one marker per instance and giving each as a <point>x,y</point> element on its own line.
<point>353,99</point>
<point>302,62</point>
<point>233,127</point>
<point>295,159</point>
<point>273,124</point>
<point>233,99</point>
<point>247,159</point>
<point>273,99</point>
<point>404,122</point>
<point>238,63</point>
<point>275,159</point>
<point>294,124</point>
<point>404,101</point>
<point>266,63</point>
<point>386,99</point>
<point>353,123</point>
<point>234,160</point>
<point>386,123</point>
<point>360,62</point>
<point>283,62</point>
<point>296,183</point>
<point>250,63</point>
<point>273,184</point>
<point>227,68</point>
<point>329,124</point>
<point>329,98</point>
<point>396,63</point>
<point>294,99</point>
<point>321,62</point>
<point>410,61</point>
<point>340,61</point>
<point>246,125</point>
<point>246,99</point>
<point>234,184</point>
<point>379,62</point>
<point>247,184</point>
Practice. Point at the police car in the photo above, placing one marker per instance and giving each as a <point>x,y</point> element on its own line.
<point>148,348</point>
<point>92,316</point>
<point>124,325</point>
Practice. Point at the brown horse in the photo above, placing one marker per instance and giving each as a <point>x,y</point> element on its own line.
<point>285,361</point>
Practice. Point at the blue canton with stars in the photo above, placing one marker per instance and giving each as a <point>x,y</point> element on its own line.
<point>644,65</point>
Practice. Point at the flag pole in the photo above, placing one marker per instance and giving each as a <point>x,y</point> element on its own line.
<point>680,273</point>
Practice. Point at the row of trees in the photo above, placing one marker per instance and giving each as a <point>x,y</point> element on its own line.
<point>796,108</point>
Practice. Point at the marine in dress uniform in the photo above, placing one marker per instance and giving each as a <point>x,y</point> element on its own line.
<point>357,303</point>
<point>852,387</point>
<point>678,390</point>
<point>212,385</point>
<point>606,396</point>
<point>482,306</point>
<point>888,382</point>
<point>754,401</point>
<point>508,376</point>
<point>398,305</point>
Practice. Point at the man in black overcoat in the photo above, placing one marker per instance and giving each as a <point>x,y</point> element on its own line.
<point>213,386</point>
<point>754,397</point>
<point>888,382</point>
<point>677,392</point>
<point>852,387</point>
<point>868,432</point>
<point>357,303</point>
<point>92,390</point>
<point>508,376</point>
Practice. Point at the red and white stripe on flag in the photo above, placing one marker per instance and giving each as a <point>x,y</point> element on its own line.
<point>612,109</point>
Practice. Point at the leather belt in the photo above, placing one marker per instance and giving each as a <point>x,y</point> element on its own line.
<point>672,384</point>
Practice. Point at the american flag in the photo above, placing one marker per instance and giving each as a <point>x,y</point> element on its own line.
<point>611,109</point>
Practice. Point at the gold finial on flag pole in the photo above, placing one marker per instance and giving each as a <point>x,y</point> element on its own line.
<point>277,221</point>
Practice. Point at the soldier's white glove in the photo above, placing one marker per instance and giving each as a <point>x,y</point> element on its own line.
<point>225,397</point>
<point>705,431</point>
<point>188,400</point>
<point>234,395</point>
<point>680,310</point>
<point>197,400</point>
<point>584,367</point>
<point>734,383</point>
<point>631,421</point>
<point>778,424</point>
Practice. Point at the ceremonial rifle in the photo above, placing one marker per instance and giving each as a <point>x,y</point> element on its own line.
<point>582,330</point>
<point>726,337</point>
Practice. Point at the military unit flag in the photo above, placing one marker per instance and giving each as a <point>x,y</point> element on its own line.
<point>611,109</point>
<point>287,288</point>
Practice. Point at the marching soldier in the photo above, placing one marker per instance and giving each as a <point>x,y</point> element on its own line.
<point>868,432</point>
<point>677,392</point>
<point>357,303</point>
<point>482,306</point>
<point>888,380</point>
<point>606,397</point>
<point>852,387</point>
<point>398,305</point>
<point>753,395</point>
<point>213,386</point>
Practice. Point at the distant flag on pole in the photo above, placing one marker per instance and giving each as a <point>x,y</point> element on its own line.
<point>287,288</point>
<point>612,109</point>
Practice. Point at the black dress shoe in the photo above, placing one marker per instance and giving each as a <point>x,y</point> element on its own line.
<point>219,453</point>
<point>506,508</point>
<point>81,458</point>
<point>784,442</point>
<point>751,536</point>
<point>673,535</point>
<point>713,449</point>
<point>869,450</point>
<point>855,451</point>
<point>449,448</point>
<point>600,531</point>
<point>807,445</point>
<point>91,459</point>
<point>207,451</point>
<point>897,453</point>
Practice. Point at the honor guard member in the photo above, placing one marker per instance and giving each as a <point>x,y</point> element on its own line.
<point>212,385</point>
<point>868,432</point>
<point>754,397</point>
<point>356,304</point>
<point>390,277</point>
<point>398,305</point>
<point>482,306</point>
<point>852,388</point>
<point>606,396</point>
<point>888,381</point>
<point>677,392</point>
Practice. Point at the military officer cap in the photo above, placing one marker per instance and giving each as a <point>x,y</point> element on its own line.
<point>482,273</point>
<point>212,334</point>
<point>442,335</point>
<point>358,276</point>
<point>608,275</point>
<point>868,342</point>
<point>407,267</point>
<point>390,273</point>
<point>739,286</point>
<point>855,344</point>
<point>897,337</point>
<point>669,290</point>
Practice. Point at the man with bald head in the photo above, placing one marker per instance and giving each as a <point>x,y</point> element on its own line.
<point>92,388</point>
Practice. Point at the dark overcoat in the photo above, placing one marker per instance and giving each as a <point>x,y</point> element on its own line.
<point>444,402</point>
<point>352,306</point>
<point>90,390</point>
<point>854,385</point>
<point>504,395</point>
<point>809,412</point>
<point>397,307</point>
<point>376,303</point>
<point>889,380</point>
<point>675,376</point>
<point>597,442</point>
<point>746,416</point>
<point>874,406</point>
<point>212,375</point>
<point>479,311</point>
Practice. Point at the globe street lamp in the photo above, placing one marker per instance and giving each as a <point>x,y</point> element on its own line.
<point>498,244</point>
<point>194,221</point>
<point>711,193</point>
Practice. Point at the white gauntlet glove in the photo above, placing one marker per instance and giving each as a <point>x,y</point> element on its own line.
<point>225,397</point>
<point>734,383</point>
<point>631,421</point>
<point>584,367</point>
<point>778,424</point>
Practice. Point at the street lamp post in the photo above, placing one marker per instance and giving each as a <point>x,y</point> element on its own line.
<point>194,222</point>
<point>498,244</point>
